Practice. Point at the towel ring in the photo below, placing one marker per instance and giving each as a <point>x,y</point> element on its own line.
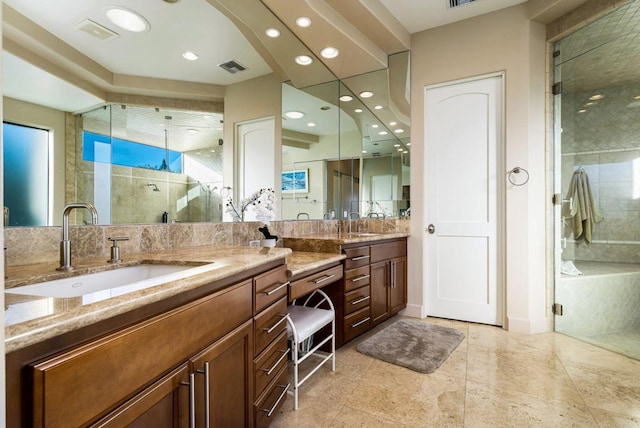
<point>517,170</point>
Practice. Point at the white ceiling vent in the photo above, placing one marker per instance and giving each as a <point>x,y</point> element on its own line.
<point>456,3</point>
<point>96,30</point>
<point>232,66</point>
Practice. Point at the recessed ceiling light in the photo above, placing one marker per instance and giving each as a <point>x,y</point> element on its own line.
<point>591,103</point>
<point>396,145</point>
<point>192,131</point>
<point>304,59</point>
<point>294,114</point>
<point>382,133</point>
<point>637,97</point>
<point>127,19</point>
<point>311,124</point>
<point>346,98</point>
<point>212,151</point>
<point>329,52</point>
<point>377,107</point>
<point>400,149</point>
<point>582,111</point>
<point>393,123</point>
<point>399,131</point>
<point>366,94</point>
<point>358,110</point>
<point>303,22</point>
<point>272,32</point>
<point>405,151</point>
<point>375,125</point>
<point>408,144</point>
<point>364,151</point>
<point>191,56</point>
<point>596,97</point>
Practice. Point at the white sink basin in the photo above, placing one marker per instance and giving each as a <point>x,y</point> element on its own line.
<point>110,283</point>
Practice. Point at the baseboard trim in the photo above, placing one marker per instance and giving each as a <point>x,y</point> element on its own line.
<point>527,326</point>
<point>413,311</point>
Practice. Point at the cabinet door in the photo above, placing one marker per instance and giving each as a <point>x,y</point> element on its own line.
<point>224,380</point>
<point>163,404</point>
<point>398,290</point>
<point>379,292</point>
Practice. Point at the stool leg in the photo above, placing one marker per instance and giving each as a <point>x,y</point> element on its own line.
<point>333,345</point>
<point>295,374</point>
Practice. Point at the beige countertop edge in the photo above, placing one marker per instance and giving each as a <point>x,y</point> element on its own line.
<point>226,262</point>
<point>300,262</point>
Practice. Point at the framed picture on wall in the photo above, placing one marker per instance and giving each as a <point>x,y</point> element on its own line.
<point>296,181</point>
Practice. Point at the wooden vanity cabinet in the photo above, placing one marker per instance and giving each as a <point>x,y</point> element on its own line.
<point>154,370</point>
<point>388,280</point>
<point>374,286</point>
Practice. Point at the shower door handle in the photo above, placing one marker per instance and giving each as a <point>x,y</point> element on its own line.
<point>431,229</point>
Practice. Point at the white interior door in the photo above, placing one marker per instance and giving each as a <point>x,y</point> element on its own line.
<point>384,191</point>
<point>463,132</point>
<point>256,159</point>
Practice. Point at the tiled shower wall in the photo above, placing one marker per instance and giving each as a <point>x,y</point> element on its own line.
<point>605,141</point>
<point>31,245</point>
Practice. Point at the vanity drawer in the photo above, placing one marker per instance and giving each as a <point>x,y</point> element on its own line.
<point>357,323</point>
<point>388,251</point>
<point>269,287</point>
<point>356,278</point>
<point>270,362</point>
<point>266,407</point>
<point>356,299</point>
<point>312,282</point>
<point>269,324</point>
<point>356,257</point>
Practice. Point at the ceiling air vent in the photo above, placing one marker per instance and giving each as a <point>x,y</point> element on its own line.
<point>96,30</point>
<point>232,66</point>
<point>456,3</point>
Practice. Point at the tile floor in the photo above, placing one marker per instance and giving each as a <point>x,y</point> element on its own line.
<point>493,379</point>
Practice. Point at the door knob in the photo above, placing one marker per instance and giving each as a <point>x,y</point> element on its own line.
<point>431,229</point>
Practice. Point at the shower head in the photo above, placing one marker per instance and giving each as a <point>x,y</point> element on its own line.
<point>153,186</point>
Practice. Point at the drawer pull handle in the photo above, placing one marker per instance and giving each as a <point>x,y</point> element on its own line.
<point>360,300</point>
<point>360,278</point>
<point>355,259</point>
<point>270,411</point>
<point>192,398</point>
<point>269,330</point>
<point>276,289</point>
<point>360,322</point>
<point>285,352</point>
<point>326,277</point>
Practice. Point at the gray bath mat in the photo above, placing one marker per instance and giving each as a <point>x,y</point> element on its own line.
<point>413,344</point>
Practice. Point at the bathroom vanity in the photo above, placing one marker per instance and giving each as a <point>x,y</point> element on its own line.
<point>210,346</point>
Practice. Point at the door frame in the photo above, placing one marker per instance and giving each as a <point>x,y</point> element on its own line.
<point>501,180</point>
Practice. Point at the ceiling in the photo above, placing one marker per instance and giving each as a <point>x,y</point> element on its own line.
<point>44,34</point>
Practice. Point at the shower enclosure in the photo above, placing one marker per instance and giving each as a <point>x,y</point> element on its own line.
<point>597,182</point>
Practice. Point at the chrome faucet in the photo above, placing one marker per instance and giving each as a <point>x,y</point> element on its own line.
<point>65,244</point>
<point>302,214</point>
<point>351,214</point>
<point>6,216</point>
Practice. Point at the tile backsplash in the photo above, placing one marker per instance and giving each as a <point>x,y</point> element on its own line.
<point>32,245</point>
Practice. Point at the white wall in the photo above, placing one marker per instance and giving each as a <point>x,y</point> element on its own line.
<point>501,41</point>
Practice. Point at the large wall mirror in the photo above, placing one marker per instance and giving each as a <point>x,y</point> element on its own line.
<point>347,156</point>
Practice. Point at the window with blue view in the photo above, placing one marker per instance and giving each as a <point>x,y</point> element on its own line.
<point>129,153</point>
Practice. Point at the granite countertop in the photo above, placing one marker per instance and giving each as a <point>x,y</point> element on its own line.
<point>31,319</point>
<point>300,262</point>
<point>333,242</point>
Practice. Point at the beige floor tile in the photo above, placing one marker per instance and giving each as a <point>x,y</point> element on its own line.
<point>570,350</point>
<point>608,389</point>
<point>352,418</point>
<point>490,406</point>
<point>614,420</point>
<point>426,400</point>
<point>540,374</point>
<point>311,413</point>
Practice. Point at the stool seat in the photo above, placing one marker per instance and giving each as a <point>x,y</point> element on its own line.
<point>308,320</point>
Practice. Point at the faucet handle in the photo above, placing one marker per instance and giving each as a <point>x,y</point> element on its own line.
<point>118,238</point>
<point>115,250</point>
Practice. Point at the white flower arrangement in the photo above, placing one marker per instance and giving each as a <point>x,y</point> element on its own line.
<point>262,202</point>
